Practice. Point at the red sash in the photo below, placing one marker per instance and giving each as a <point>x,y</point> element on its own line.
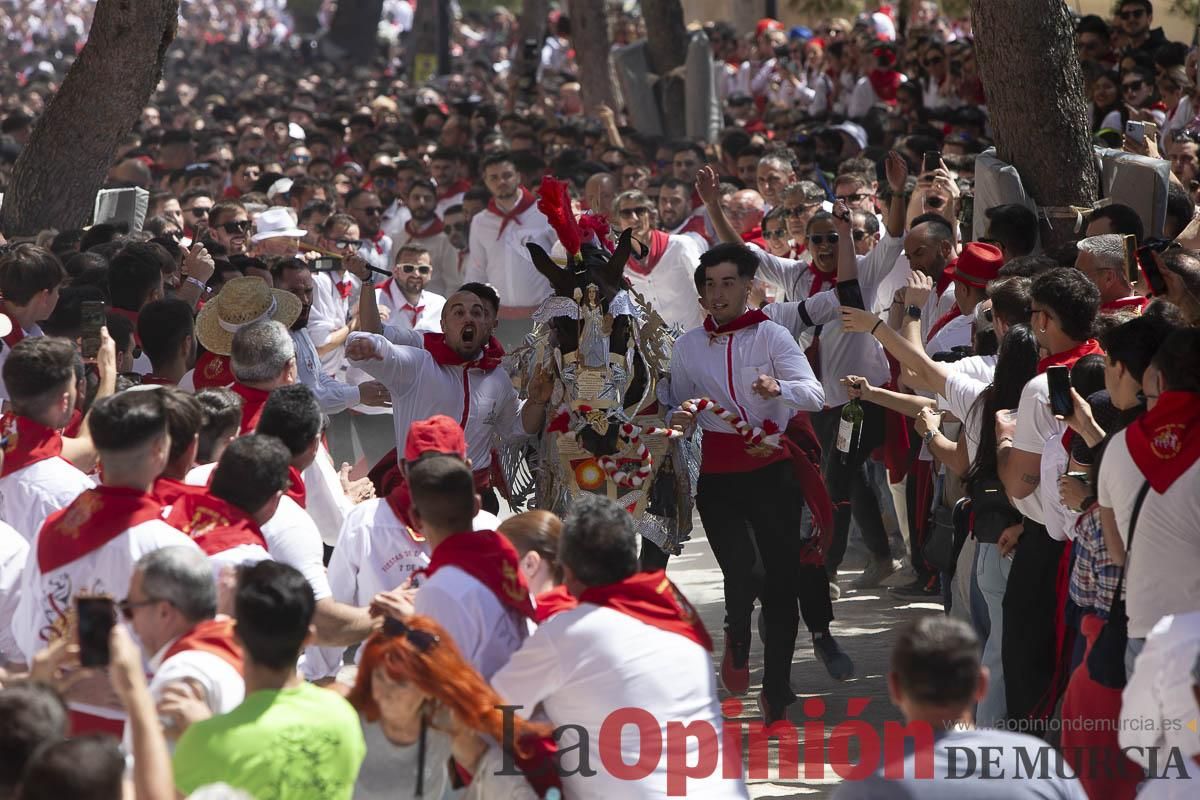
<point>399,500</point>
<point>1165,441</point>
<point>213,636</point>
<point>552,602</point>
<point>747,319</point>
<point>943,321</point>
<point>92,520</point>
<point>168,490</point>
<point>74,425</point>
<point>727,452</point>
<point>524,204</point>
<point>458,187</point>
<point>489,558</point>
<point>885,82</point>
<point>657,246</point>
<point>212,372</point>
<point>28,443</point>
<point>253,401</point>
<point>694,224</point>
<point>296,488</point>
<point>433,229</point>
<point>650,597</point>
<point>154,380</point>
<point>488,359</point>
<point>214,524</point>
<point>1136,302</point>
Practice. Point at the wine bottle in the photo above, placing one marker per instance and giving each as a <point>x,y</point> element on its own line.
<point>850,429</point>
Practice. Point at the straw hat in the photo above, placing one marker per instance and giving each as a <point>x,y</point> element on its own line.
<point>242,301</point>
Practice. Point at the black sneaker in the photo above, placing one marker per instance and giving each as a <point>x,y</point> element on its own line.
<point>879,570</point>
<point>920,589</point>
<point>836,662</point>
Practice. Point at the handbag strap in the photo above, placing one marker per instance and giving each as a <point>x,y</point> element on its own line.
<point>1137,509</point>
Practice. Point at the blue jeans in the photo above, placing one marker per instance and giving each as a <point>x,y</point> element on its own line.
<point>991,576</point>
<point>1132,648</point>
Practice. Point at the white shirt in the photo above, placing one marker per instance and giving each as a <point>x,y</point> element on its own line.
<point>378,253</point>
<point>503,261</point>
<point>328,314</point>
<point>795,278</point>
<point>486,632</point>
<point>34,492</point>
<point>1160,691</point>
<point>957,332</point>
<point>963,390</point>
<point>5,350</point>
<point>395,218</point>
<point>200,475</point>
<point>586,663</point>
<point>293,539</point>
<point>332,395</point>
<point>1035,427</point>
<point>726,368</point>
<point>484,403</point>
<point>325,501</point>
<point>426,315</point>
<point>670,288</point>
<point>1163,571</point>
<point>14,551</point>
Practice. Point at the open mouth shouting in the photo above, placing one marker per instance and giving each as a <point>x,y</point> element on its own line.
<point>469,332</point>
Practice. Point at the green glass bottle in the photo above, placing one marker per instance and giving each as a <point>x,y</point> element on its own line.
<point>849,430</point>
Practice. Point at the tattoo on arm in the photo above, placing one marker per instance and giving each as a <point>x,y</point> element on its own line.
<point>1032,480</point>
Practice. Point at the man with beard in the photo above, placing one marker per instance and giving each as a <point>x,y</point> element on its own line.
<point>663,275</point>
<point>454,373</point>
<point>293,275</point>
<point>229,226</point>
<point>426,230</point>
<point>366,209</point>
<point>675,211</point>
<point>406,296</point>
<point>448,169</point>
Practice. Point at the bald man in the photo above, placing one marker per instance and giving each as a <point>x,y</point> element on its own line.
<point>744,209</point>
<point>599,192</point>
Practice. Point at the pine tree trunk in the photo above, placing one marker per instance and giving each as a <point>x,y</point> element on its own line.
<point>531,27</point>
<point>666,51</point>
<point>1034,88</point>
<point>589,35</point>
<point>64,164</point>
<point>354,30</point>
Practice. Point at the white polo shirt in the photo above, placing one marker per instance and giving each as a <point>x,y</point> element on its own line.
<point>34,492</point>
<point>502,260</point>
<point>670,288</point>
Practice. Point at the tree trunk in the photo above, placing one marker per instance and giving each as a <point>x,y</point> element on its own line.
<point>666,51</point>
<point>354,30</point>
<point>422,47</point>
<point>1034,87</point>
<point>65,162</point>
<point>589,35</point>
<point>531,33</point>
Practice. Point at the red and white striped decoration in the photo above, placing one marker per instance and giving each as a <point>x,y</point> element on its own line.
<point>754,437</point>
<point>633,435</point>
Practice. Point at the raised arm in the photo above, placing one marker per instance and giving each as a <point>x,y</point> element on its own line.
<point>394,366</point>
<point>707,186</point>
<point>368,307</point>
<point>910,405</point>
<point>928,372</point>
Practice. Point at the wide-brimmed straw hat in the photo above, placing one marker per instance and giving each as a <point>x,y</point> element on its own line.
<point>242,301</point>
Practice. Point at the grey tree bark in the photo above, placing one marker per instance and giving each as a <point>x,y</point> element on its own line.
<point>58,173</point>
<point>1034,87</point>
<point>666,52</point>
<point>354,30</point>
<point>589,35</point>
<point>531,27</point>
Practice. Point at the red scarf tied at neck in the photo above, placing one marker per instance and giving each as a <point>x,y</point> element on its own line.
<point>28,443</point>
<point>747,319</point>
<point>253,401</point>
<point>433,229</point>
<point>487,360</point>
<point>657,246</point>
<point>524,204</point>
<point>885,82</point>
<point>1067,358</point>
<point>1165,441</point>
<point>489,558</point>
<point>650,597</point>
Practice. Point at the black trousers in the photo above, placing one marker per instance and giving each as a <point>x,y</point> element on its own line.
<point>850,486</point>
<point>764,503</point>
<point>1028,646</point>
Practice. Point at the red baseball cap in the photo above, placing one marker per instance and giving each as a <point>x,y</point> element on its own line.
<point>438,434</point>
<point>977,264</point>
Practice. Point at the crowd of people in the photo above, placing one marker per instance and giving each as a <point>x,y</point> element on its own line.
<point>260,428</point>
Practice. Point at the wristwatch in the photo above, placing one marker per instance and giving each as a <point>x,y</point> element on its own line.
<point>913,311</point>
<point>928,435</point>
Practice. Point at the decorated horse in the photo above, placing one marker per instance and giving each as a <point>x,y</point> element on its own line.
<point>607,352</point>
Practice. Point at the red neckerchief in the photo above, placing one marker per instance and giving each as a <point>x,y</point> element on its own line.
<point>74,424</point>
<point>943,321</point>
<point>747,319</point>
<point>253,401</point>
<point>489,558</point>
<point>552,602</point>
<point>28,443</point>
<point>524,204</point>
<point>654,253</point>
<point>399,500</point>
<point>343,288</point>
<point>1165,441</point>
<point>296,488</point>
<point>132,316</point>
<point>416,311</point>
<point>1135,301</point>
<point>650,597</point>
<point>212,372</point>
<point>92,520</point>
<point>694,224</point>
<point>154,380</point>
<point>168,490</point>
<point>798,249</point>
<point>945,279</point>
<point>1067,358</point>
<point>821,279</point>
<point>213,636</point>
<point>885,82</point>
<point>375,240</point>
<point>458,187</point>
<point>488,359</point>
<point>215,525</point>
<point>434,229</point>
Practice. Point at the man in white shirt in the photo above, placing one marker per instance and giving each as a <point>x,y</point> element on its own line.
<point>171,604</point>
<point>29,280</point>
<point>410,303</point>
<point>587,663</point>
<point>36,480</point>
<point>333,291</point>
<point>90,546</point>
<point>367,210</point>
<point>664,274</point>
<point>498,237</point>
<point>425,230</point>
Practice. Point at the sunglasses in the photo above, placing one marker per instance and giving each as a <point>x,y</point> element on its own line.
<point>347,244</point>
<point>237,226</point>
<point>127,608</point>
<point>1136,13</point>
<point>199,212</point>
<point>420,269</point>
<point>637,211</point>
<point>371,211</point>
<point>422,640</point>
<point>822,238</point>
<point>299,159</point>
<point>1132,86</point>
<point>857,197</point>
<point>933,62</point>
<point>858,234</point>
<point>779,234</point>
<point>799,211</point>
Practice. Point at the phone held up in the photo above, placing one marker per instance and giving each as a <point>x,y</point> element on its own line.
<point>1145,258</point>
<point>931,161</point>
<point>96,616</point>
<point>1058,379</point>
<point>91,321</point>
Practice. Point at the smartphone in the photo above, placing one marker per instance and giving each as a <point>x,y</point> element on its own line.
<point>91,320</point>
<point>931,161</point>
<point>326,264</point>
<point>850,294</point>
<point>95,617</point>
<point>1131,261</point>
<point>1136,131</point>
<point>1059,381</point>
<point>1154,277</point>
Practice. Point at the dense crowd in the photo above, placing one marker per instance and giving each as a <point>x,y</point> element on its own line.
<point>261,429</point>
